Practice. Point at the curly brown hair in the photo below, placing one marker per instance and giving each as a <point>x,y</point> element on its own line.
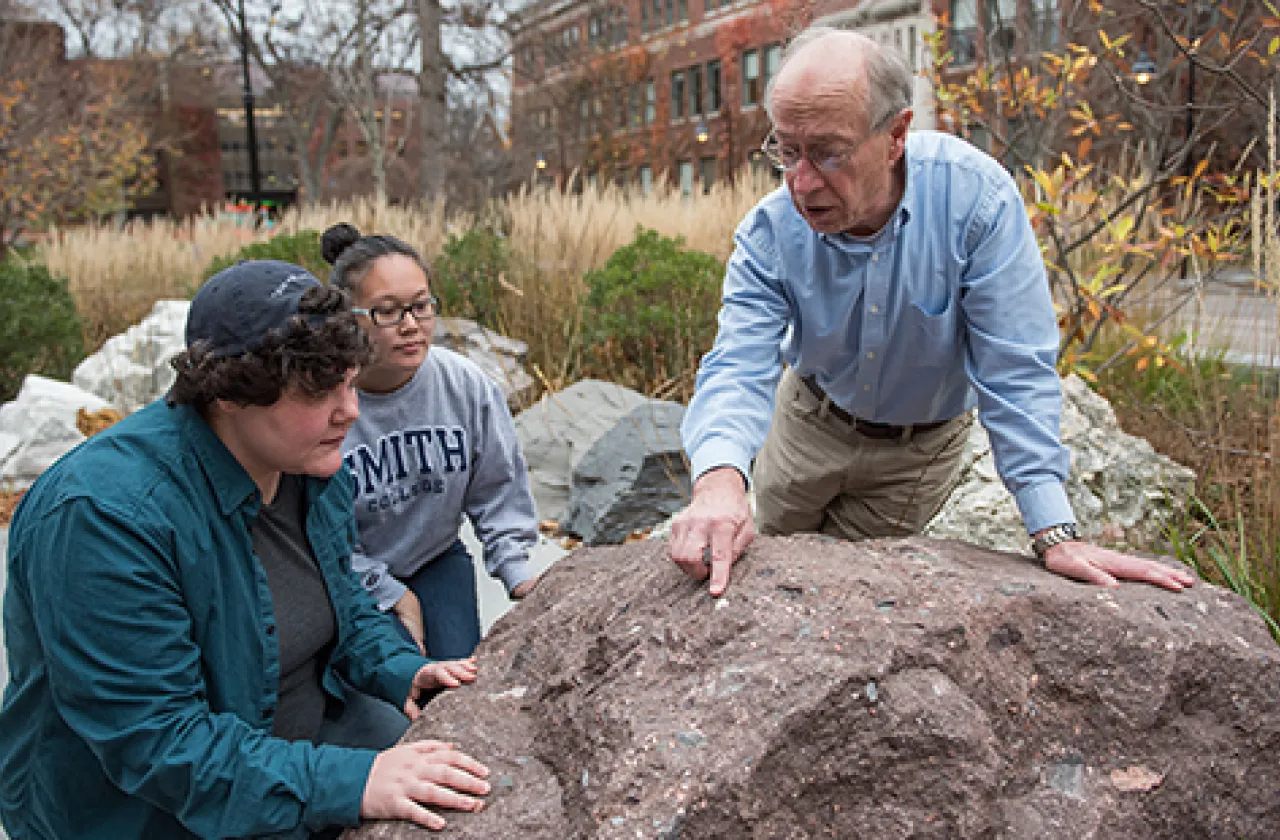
<point>314,359</point>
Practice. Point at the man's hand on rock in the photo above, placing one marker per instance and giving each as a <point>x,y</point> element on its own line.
<point>408,777</point>
<point>719,519</point>
<point>1093,564</point>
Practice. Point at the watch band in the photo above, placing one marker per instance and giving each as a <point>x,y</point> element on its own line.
<point>1054,535</point>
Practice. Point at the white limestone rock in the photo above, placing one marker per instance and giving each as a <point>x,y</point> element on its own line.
<point>1123,491</point>
<point>132,369</point>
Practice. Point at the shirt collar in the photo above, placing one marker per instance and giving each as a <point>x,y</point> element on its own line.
<point>232,486</point>
<point>900,217</point>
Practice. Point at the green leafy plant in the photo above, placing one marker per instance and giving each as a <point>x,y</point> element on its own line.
<point>40,330</point>
<point>650,312</point>
<point>301,248</point>
<point>469,276</point>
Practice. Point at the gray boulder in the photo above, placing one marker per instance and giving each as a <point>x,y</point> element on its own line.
<point>558,430</point>
<point>1122,490</point>
<point>634,477</point>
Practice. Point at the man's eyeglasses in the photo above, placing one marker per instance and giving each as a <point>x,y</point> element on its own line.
<point>390,316</point>
<point>825,158</point>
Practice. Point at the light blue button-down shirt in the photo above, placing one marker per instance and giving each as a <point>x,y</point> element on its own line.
<point>945,308</point>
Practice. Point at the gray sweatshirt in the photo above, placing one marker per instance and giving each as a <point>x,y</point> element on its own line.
<point>440,446</point>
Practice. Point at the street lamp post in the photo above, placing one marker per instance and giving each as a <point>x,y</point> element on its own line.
<point>255,176</point>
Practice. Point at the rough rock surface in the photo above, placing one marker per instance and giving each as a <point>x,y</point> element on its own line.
<point>634,477</point>
<point>43,419</point>
<point>500,357</point>
<point>132,369</point>
<point>1121,489</point>
<point>557,431</point>
<point>889,689</point>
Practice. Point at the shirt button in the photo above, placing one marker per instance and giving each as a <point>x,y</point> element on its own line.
<point>875,257</point>
<point>271,629</point>
<point>870,355</point>
<point>875,310</point>
<point>269,711</point>
<point>866,387</point>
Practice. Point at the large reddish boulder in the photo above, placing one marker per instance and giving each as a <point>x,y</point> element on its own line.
<point>887,689</point>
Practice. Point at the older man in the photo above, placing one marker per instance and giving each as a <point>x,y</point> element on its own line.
<point>898,278</point>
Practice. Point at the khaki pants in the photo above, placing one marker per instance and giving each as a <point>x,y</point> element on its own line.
<point>816,473</point>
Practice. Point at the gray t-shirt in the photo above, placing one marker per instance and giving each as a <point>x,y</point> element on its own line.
<point>305,624</point>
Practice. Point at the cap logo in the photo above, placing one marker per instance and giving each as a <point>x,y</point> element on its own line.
<point>287,282</point>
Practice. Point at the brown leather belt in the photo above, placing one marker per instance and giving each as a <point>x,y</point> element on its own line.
<point>878,431</point>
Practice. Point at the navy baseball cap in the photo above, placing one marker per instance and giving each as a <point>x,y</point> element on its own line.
<point>233,312</point>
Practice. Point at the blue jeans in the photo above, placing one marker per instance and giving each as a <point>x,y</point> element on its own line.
<point>446,590</point>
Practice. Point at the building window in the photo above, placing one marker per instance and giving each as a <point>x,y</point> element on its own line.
<point>637,113</point>
<point>650,102</point>
<point>713,86</point>
<point>707,173</point>
<point>657,15</point>
<point>584,117</point>
<point>1044,25</point>
<point>913,57</point>
<point>620,108</point>
<point>685,170</point>
<point>677,95</point>
<point>645,176</point>
<point>644,16</point>
<point>964,31</point>
<point>772,59</point>
<point>619,26</point>
<point>682,10</point>
<point>695,90</point>
<point>750,79</point>
<point>1002,28</point>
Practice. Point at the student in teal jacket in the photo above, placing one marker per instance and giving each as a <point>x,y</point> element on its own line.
<point>189,652</point>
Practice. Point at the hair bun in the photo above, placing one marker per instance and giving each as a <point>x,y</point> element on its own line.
<point>337,239</point>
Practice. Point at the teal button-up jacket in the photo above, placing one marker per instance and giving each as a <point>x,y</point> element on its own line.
<point>142,650</point>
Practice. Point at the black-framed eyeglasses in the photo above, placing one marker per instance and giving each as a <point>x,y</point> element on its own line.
<point>786,157</point>
<point>390,316</point>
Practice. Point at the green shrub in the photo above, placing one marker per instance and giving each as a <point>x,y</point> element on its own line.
<point>40,330</point>
<point>467,277</point>
<point>650,312</point>
<point>301,248</point>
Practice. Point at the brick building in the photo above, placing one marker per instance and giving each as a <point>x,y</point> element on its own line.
<point>648,89</point>
<point>172,102</point>
<point>634,90</point>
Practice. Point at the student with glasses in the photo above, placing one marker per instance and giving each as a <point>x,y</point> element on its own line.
<point>891,286</point>
<point>434,442</point>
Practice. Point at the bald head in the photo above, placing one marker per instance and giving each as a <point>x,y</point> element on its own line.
<point>826,70</point>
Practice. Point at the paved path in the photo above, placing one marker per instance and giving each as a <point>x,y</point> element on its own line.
<point>1235,318</point>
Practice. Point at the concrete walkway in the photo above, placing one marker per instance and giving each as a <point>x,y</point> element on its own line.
<point>1232,317</point>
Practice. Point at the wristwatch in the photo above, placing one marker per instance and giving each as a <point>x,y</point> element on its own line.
<point>1054,535</point>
